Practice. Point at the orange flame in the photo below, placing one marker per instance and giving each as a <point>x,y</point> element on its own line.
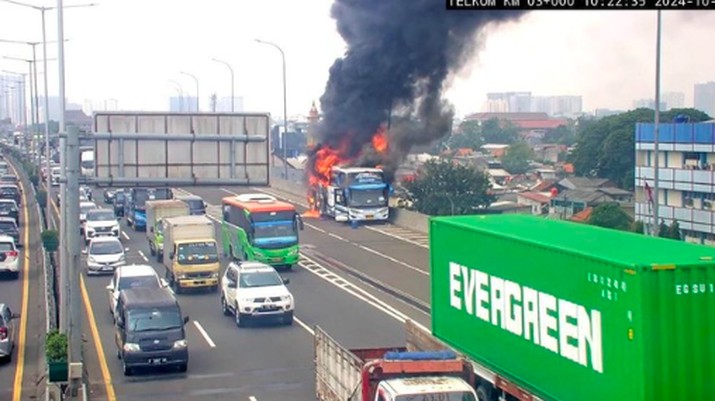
<point>379,140</point>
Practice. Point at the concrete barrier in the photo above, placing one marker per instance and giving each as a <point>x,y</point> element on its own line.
<point>292,187</point>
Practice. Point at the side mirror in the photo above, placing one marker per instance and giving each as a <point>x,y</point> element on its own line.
<point>171,255</point>
<point>231,284</point>
<point>126,249</point>
<point>286,281</point>
<point>84,251</point>
<point>186,319</point>
<point>15,315</point>
<point>206,205</point>
<point>109,287</point>
<point>120,322</point>
<point>301,225</point>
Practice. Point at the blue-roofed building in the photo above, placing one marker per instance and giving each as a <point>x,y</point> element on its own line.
<point>686,177</point>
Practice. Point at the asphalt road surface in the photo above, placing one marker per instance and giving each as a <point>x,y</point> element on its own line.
<point>269,361</point>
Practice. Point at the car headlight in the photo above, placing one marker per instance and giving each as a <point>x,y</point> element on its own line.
<point>91,259</point>
<point>122,258</point>
<point>115,227</point>
<point>293,252</point>
<point>287,298</point>
<point>214,275</point>
<point>131,347</point>
<point>180,344</point>
<point>181,276</point>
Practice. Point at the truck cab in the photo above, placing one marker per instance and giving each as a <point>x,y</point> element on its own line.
<point>190,253</point>
<point>428,388</point>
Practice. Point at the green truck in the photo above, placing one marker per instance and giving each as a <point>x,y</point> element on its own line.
<point>562,311</point>
<point>156,212</point>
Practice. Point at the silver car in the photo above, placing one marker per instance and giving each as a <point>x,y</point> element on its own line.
<point>8,332</point>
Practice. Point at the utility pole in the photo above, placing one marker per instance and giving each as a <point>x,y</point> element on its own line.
<point>656,132</point>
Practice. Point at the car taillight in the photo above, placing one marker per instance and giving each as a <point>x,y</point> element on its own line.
<point>11,253</point>
<point>3,333</point>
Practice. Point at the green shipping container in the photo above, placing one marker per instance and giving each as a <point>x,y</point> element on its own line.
<point>573,312</point>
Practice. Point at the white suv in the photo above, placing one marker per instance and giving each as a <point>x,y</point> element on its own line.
<point>9,256</point>
<point>255,290</point>
<point>100,223</point>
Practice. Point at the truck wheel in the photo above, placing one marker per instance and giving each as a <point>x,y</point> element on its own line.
<point>224,307</point>
<point>484,393</point>
<point>175,286</point>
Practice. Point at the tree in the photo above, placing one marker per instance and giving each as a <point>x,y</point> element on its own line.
<point>517,157</point>
<point>610,215</point>
<point>562,135</point>
<point>638,227</point>
<point>499,131</point>
<point>468,135</point>
<point>606,147</point>
<point>674,231</point>
<point>444,188</point>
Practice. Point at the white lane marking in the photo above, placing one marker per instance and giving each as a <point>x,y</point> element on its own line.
<point>124,234</point>
<point>251,398</point>
<point>204,334</point>
<point>390,258</point>
<point>316,228</point>
<point>304,325</point>
<point>143,256</point>
<point>227,191</point>
<point>338,237</point>
<point>389,234</point>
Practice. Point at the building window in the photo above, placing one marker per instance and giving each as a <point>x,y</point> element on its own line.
<point>687,199</point>
<point>665,156</point>
<point>648,158</point>
<point>665,197</point>
<point>695,161</point>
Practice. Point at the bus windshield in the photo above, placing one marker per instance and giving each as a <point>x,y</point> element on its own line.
<point>367,198</point>
<point>269,234</point>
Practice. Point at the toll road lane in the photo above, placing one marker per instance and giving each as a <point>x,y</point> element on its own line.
<point>355,248</point>
<point>268,362</point>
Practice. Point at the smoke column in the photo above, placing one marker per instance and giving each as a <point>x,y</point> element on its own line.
<point>399,55</point>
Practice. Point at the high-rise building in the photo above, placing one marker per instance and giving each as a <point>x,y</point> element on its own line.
<point>508,102</point>
<point>223,104</point>
<point>557,106</point>
<point>704,99</point>
<point>686,171</point>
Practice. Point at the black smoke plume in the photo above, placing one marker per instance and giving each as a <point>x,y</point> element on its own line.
<point>400,53</point>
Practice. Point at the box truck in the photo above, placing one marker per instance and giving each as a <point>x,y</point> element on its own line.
<point>156,211</point>
<point>190,253</point>
<point>388,373</point>
<point>562,311</point>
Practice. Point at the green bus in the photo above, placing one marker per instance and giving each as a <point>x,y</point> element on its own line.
<point>261,228</point>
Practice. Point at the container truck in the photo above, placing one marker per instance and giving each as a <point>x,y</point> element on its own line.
<point>562,311</point>
<point>388,374</point>
<point>190,253</point>
<point>156,211</point>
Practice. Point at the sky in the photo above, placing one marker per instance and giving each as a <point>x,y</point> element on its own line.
<point>130,50</point>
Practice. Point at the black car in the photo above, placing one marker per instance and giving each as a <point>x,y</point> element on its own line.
<point>8,208</point>
<point>197,206</point>
<point>8,191</point>
<point>120,198</point>
<point>8,227</point>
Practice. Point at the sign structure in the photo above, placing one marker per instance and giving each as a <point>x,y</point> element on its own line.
<point>181,149</point>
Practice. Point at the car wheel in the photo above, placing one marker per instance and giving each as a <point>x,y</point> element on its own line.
<point>15,275</point>
<point>237,315</point>
<point>183,367</point>
<point>126,369</point>
<point>224,307</point>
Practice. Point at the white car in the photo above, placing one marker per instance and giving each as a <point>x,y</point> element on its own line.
<point>100,223</point>
<point>84,207</point>
<point>255,290</point>
<point>104,255</point>
<point>55,175</point>
<point>132,276</point>
<point>9,256</point>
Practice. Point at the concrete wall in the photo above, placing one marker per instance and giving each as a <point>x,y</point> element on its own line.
<point>399,217</point>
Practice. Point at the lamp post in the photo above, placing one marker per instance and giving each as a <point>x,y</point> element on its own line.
<point>233,108</point>
<point>21,101</point>
<point>197,88</point>
<point>656,129</point>
<point>285,107</point>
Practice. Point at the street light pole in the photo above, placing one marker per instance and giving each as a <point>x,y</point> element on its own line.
<point>180,91</point>
<point>197,88</point>
<point>233,108</point>
<point>656,131</point>
<point>285,108</point>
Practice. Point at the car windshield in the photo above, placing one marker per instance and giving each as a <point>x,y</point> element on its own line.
<point>260,279</point>
<point>145,319</point>
<point>197,253</point>
<point>367,198</point>
<point>7,206</point>
<point>195,204</point>
<point>7,226</point>
<point>87,164</point>
<point>6,247</point>
<point>9,190</point>
<point>119,197</point>
<point>106,248</point>
<point>138,282</point>
<point>140,197</point>
<point>9,178</point>
<point>441,396</point>
<point>101,216</point>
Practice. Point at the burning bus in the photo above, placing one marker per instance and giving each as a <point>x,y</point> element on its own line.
<point>354,194</point>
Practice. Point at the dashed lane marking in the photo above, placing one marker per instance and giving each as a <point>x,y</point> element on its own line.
<point>204,334</point>
<point>304,325</point>
<point>143,256</point>
<point>126,237</point>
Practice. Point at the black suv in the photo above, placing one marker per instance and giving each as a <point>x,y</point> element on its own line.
<point>8,208</point>
<point>120,198</point>
<point>197,206</point>
<point>11,192</point>
<point>8,227</point>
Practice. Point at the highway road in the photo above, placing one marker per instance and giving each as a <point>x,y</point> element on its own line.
<point>264,362</point>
